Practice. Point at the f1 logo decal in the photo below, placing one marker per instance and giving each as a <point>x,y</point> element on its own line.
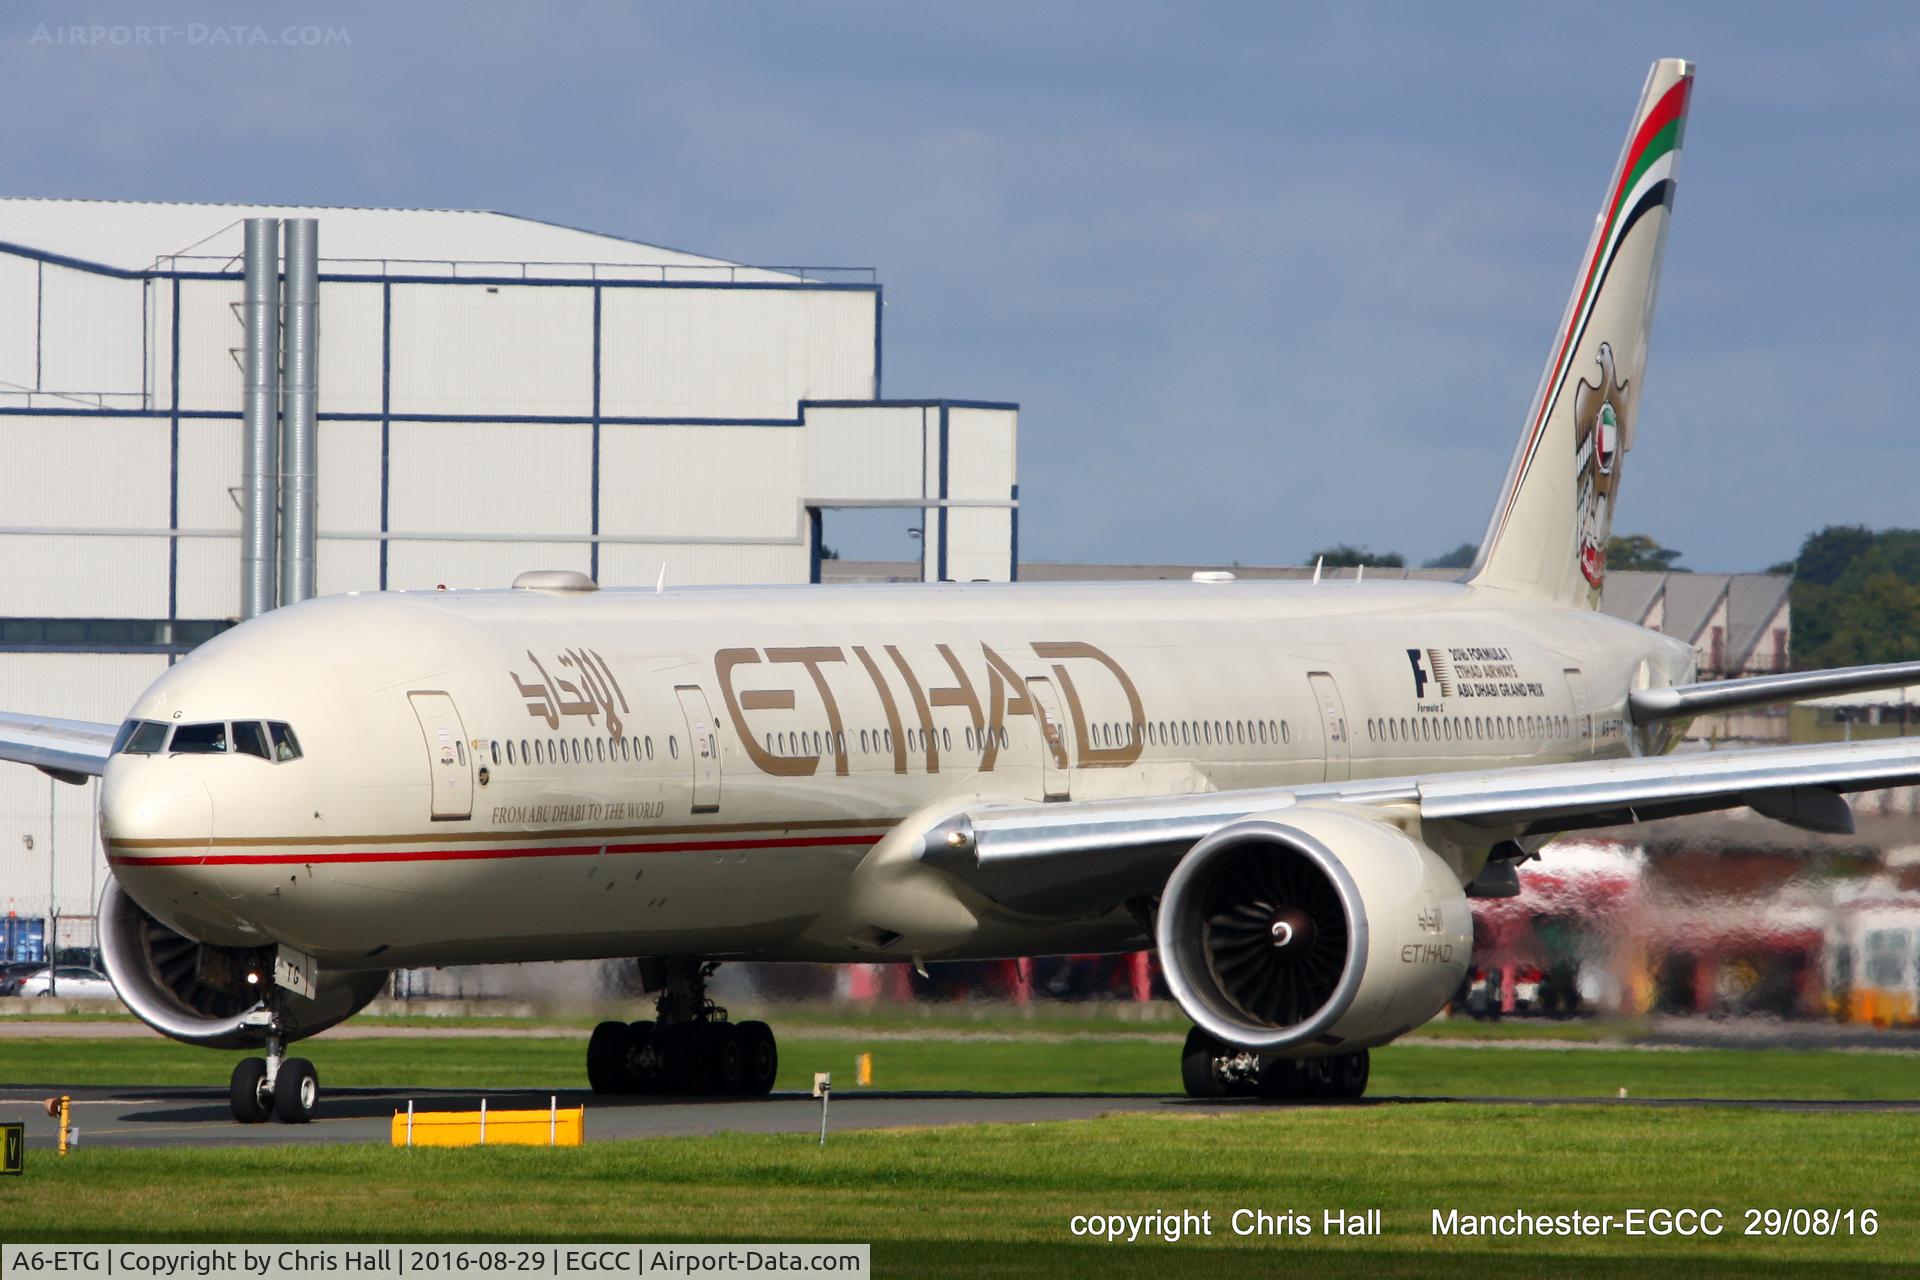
<point>1420,676</point>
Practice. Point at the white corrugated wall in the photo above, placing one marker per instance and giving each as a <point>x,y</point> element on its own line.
<point>866,454</point>
<point>733,353</point>
<point>701,481</point>
<point>981,446</point>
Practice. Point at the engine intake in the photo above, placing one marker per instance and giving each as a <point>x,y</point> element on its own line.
<point>195,992</point>
<point>1273,941</point>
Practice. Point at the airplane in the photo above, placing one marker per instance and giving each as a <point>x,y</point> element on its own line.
<point>1289,789</point>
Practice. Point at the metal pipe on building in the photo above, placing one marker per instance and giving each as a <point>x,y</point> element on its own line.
<point>299,411</point>
<point>260,419</point>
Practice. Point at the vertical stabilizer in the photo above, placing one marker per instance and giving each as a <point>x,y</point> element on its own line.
<point>1548,535</point>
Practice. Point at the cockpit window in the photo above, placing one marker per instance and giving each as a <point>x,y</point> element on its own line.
<point>285,745</point>
<point>140,738</point>
<point>250,738</point>
<point>199,740</point>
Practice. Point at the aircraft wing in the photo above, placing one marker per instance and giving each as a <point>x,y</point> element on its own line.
<point>70,750</point>
<point>1093,854</point>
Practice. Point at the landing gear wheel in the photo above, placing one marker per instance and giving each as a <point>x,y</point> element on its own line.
<point>607,1058</point>
<point>1197,1071</point>
<point>761,1056</point>
<point>1282,1079</point>
<point>641,1067</point>
<point>678,1050</point>
<point>726,1065</point>
<point>296,1088</point>
<point>252,1100</point>
<point>1347,1074</point>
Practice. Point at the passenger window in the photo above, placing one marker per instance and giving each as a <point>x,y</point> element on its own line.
<point>673,746</point>
<point>250,739</point>
<point>946,740</point>
<point>460,748</point>
<point>496,753</point>
<point>199,740</point>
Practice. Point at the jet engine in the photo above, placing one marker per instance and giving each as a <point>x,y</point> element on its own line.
<point>1312,931</point>
<point>201,994</point>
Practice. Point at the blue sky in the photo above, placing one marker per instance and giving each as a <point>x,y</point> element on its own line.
<point>1262,278</point>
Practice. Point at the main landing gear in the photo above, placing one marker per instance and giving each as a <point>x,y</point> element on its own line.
<point>689,1047</point>
<point>275,1087</point>
<point>1212,1069</point>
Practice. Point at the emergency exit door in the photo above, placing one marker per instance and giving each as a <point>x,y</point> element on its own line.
<point>447,762</point>
<point>1053,739</point>
<point>1333,725</point>
<point>703,748</point>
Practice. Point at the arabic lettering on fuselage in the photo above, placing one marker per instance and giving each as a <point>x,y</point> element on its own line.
<point>592,691</point>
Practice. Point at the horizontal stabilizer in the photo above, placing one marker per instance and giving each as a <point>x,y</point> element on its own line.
<point>1646,706</point>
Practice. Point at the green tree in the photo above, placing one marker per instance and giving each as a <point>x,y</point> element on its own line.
<point>1638,551</point>
<point>1345,556</point>
<point>1856,597</point>
<point>1461,557</point>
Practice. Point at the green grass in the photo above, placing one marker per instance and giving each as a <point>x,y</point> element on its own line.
<point>1123,1066</point>
<point>1154,1018</point>
<point>996,1200</point>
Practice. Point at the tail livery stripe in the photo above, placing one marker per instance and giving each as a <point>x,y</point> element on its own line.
<point>1646,182</point>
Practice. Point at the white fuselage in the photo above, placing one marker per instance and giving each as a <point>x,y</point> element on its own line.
<point>523,775</point>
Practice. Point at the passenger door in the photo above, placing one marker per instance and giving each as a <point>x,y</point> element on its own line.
<point>1333,722</point>
<point>1054,779</point>
<point>447,762</point>
<point>1582,710</point>
<point>703,748</point>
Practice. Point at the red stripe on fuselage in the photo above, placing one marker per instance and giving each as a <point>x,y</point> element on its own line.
<point>480,855</point>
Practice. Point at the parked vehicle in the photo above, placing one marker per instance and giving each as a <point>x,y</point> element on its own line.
<point>68,981</point>
<point>14,972</point>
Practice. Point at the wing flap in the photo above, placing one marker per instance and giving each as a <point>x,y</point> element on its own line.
<point>70,750</point>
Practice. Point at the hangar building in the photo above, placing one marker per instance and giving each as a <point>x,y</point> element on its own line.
<point>494,394</point>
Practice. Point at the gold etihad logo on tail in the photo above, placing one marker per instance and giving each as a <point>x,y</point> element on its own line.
<point>986,685</point>
<point>1600,419</point>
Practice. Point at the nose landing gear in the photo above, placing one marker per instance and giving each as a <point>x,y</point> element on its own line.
<point>690,1047</point>
<point>275,1087</point>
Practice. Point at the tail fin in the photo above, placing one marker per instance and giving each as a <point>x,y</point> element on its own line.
<point>1548,535</point>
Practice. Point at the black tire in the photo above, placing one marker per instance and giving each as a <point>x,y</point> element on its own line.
<point>641,1068</point>
<point>1348,1074</point>
<point>1196,1066</point>
<point>247,1091</point>
<point>296,1088</point>
<point>1282,1079</point>
<point>679,1049</point>
<point>607,1058</point>
<point>761,1057</point>
<point>726,1059</point>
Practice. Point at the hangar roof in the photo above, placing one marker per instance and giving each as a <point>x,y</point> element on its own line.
<point>131,235</point>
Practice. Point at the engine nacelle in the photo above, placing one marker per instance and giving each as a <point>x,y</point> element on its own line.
<point>197,992</point>
<point>1312,931</point>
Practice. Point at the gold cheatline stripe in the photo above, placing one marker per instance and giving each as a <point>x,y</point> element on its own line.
<point>475,837</point>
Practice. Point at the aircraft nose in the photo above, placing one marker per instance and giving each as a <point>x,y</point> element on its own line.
<point>154,813</point>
